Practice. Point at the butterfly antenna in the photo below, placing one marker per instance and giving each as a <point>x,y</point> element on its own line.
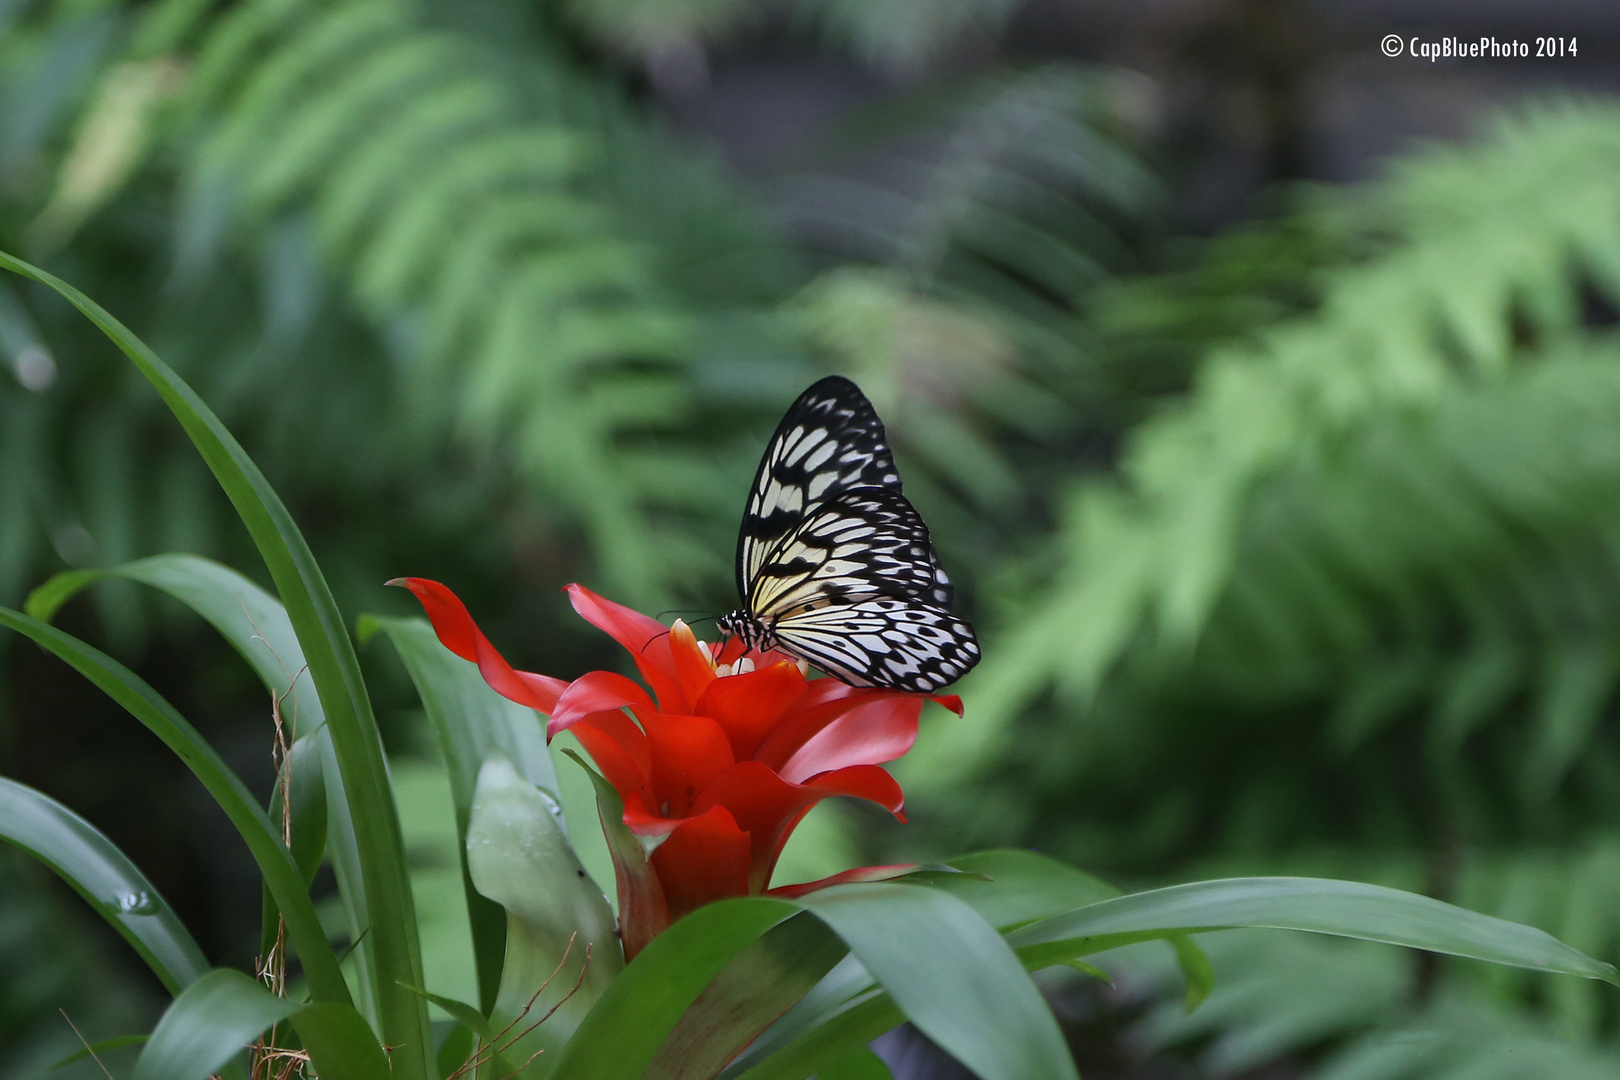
<point>699,619</point>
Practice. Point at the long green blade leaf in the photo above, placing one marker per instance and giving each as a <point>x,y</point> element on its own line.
<point>460,1011</point>
<point>209,1023</point>
<point>251,620</point>
<point>764,981</point>
<point>1021,887</point>
<point>957,978</point>
<point>643,1004</point>
<point>264,841</point>
<point>858,1064</point>
<point>844,1012</point>
<point>340,1043</point>
<point>256,625</point>
<point>105,877</point>
<point>357,745</point>
<point>1011,887</point>
<point>1343,908</point>
<point>952,974</point>
<point>826,1021</point>
<point>851,1025</point>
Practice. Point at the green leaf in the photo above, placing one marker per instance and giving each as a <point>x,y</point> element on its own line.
<point>465,1014</point>
<point>251,620</point>
<point>556,917</point>
<point>643,1004</point>
<point>859,1064</point>
<point>1010,887</point>
<point>844,1011</point>
<point>1343,908</point>
<point>255,624</point>
<point>1195,967</point>
<point>641,896</point>
<point>341,1044</point>
<point>766,979</point>
<point>275,862</point>
<point>469,720</point>
<point>1093,970</point>
<point>849,1024</point>
<point>1006,887</point>
<point>105,877</point>
<point>917,941</point>
<point>357,744</point>
<point>211,1021</point>
<point>952,975</point>
<point>456,1049</point>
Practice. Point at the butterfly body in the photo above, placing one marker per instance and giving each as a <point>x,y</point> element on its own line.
<point>834,565</point>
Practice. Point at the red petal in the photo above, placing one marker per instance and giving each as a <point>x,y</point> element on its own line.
<point>768,807</point>
<point>646,822</point>
<point>646,639</point>
<point>861,873</point>
<point>705,859</point>
<point>749,705</point>
<point>821,691</point>
<point>688,752</point>
<point>619,749</point>
<point>595,691</point>
<point>950,701</point>
<point>870,782</point>
<point>868,734</point>
<point>765,806</point>
<point>818,708</point>
<point>693,667</point>
<point>461,635</point>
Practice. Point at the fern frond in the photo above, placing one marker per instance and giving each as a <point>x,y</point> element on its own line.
<point>460,219</point>
<point>994,209</point>
<point>1389,467</point>
<point>1335,1010</point>
<point>904,35</point>
<point>1341,1011</point>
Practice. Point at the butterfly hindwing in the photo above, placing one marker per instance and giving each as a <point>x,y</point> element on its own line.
<point>891,641</point>
<point>830,441</point>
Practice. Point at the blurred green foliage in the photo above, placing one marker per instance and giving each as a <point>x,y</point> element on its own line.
<point>1292,547</point>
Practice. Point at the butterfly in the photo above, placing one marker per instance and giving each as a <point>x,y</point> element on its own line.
<point>834,565</point>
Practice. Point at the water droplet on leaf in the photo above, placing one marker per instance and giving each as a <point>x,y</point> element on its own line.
<point>135,903</point>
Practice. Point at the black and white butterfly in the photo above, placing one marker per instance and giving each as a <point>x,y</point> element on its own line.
<point>834,565</point>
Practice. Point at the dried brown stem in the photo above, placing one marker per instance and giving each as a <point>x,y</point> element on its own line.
<point>487,1051</point>
<point>270,1061</point>
<point>92,1053</point>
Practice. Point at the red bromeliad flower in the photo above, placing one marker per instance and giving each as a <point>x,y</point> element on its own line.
<point>718,764</point>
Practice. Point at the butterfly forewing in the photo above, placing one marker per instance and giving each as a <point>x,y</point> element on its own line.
<point>865,542</point>
<point>883,641</point>
<point>830,441</point>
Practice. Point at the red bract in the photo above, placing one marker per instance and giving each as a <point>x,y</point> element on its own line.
<point>717,764</point>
